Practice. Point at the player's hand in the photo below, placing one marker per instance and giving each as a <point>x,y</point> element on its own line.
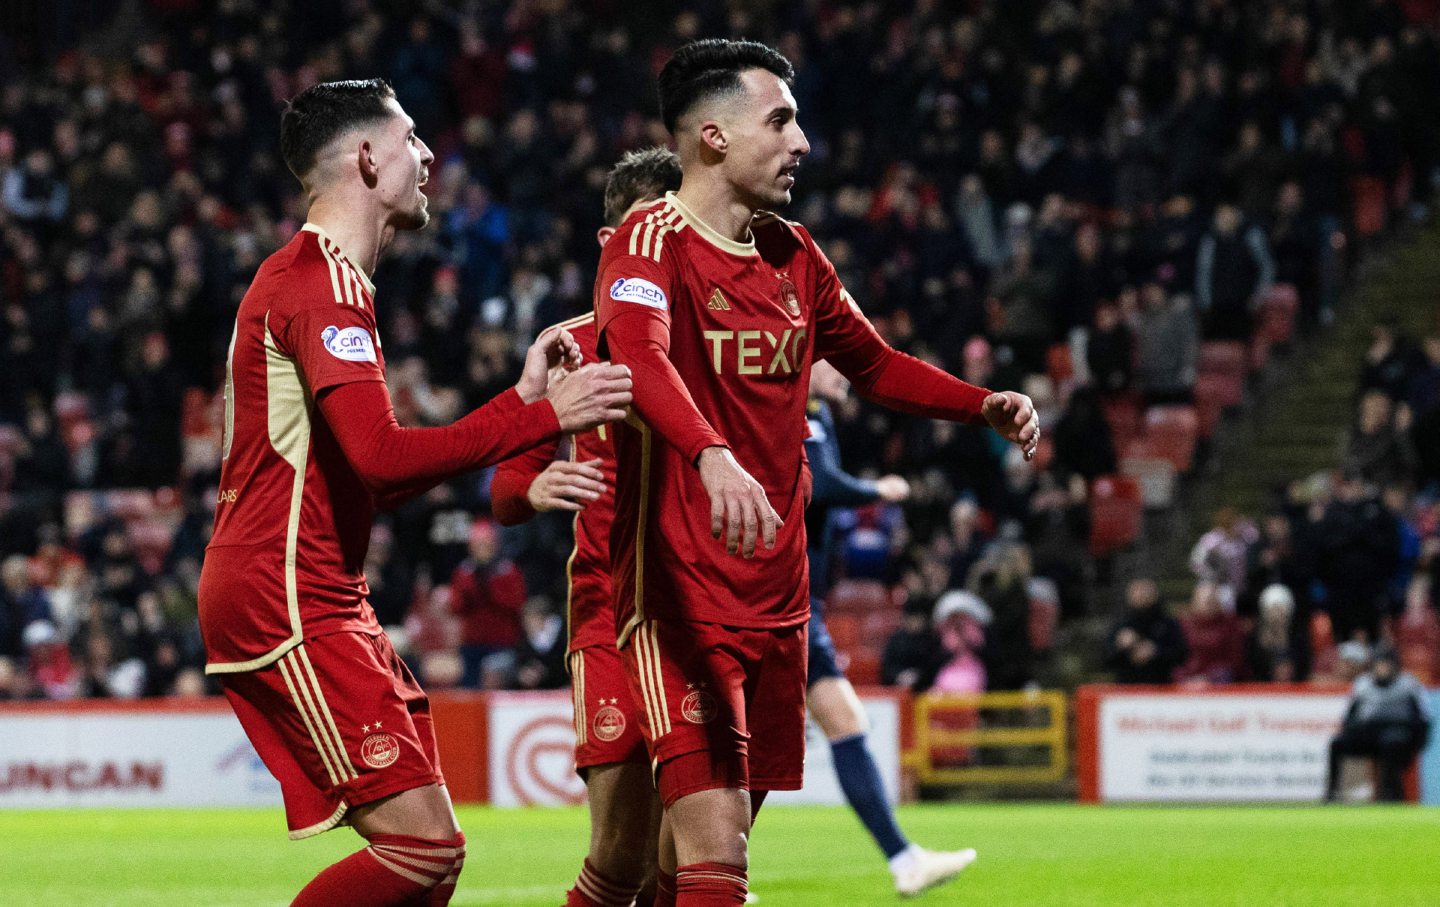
<point>591,395</point>
<point>554,347</point>
<point>739,508</point>
<point>1013,415</point>
<point>566,486</point>
<point>892,489</point>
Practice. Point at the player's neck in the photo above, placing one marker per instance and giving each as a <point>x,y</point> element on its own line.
<point>716,205</point>
<point>361,239</point>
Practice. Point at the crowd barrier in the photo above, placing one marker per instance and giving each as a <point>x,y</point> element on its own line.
<point>507,749</point>
<point>1253,743</point>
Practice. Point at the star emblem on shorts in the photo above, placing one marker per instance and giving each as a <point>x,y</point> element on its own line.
<point>364,728</point>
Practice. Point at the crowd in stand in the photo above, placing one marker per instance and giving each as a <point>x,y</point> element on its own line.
<point>1345,563</point>
<point>1059,196</point>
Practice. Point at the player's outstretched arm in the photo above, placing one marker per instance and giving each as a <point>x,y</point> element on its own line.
<point>739,508</point>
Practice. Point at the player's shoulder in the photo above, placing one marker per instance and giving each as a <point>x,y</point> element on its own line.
<point>648,233</point>
<point>774,233</point>
<point>582,328</point>
<point>311,271</point>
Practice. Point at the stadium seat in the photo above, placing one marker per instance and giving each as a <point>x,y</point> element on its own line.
<point>1171,433</point>
<point>1122,413</point>
<point>1209,389</point>
<point>864,667</point>
<point>857,596</point>
<point>1370,206</point>
<point>1116,512</point>
<point>1277,313</point>
<point>1155,474</point>
<point>1224,357</point>
<point>1058,364</point>
<point>844,629</point>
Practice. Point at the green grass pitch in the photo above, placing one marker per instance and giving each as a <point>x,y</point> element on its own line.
<point>1029,855</point>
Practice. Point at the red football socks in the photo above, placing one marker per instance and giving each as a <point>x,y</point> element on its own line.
<point>710,885</point>
<point>394,871</point>
<point>440,895</point>
<point>595,890</point>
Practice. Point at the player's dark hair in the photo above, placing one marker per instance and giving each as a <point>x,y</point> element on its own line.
<point>648,173</point>
<point>711,68</point>
<point>314,117</point>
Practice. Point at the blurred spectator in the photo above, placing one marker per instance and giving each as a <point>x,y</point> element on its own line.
<point>1147,645</point>
<point>960,621</point>
<point>1221,555</point>
<point>487,593</point>
<point>1001,581</point>
<point>22,603</point>
<point>1391,362</point>
<point>1214,638</point>
<point>1424,403</point>
<point>48,661</point>
<point>1388,720</point>
<point>1082,437</point>
<point>1110,350</point>
<point>1233,269</point>
<point>1357,547</point>
<point>1278,648</point>
<point>1282,555</point>
<point>1375,449</point>
<point>540,654</point>
<point>1167,346</point>
<point>913,654</point>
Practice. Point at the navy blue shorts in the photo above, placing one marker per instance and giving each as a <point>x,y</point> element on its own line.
<point>822,662</point>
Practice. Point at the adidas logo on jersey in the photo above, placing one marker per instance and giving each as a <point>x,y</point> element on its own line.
<point>718,302</point>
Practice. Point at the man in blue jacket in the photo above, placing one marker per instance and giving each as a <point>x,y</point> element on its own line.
<point>830,697</point>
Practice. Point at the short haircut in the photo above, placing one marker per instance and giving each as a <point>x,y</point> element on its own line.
<point>711,68</point>
<point>317,115</point>
<point>648,173</point>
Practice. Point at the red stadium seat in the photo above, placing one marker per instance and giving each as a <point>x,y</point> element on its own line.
<point>1058,364</point>
<point>1372,209</point>
<point>1222,390</point>
<point>1122,412</point>
<point>1116,511</point>
<point>864,667</point>
<point>1277,313</point>
<point>844,629</point>
<point>1171,432</point>
<point>1224,357</point>
<point>857,596</point>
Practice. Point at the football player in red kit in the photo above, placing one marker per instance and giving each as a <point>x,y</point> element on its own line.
<point>311,449</point>
<point>719,308</point>
<point>609,751</point>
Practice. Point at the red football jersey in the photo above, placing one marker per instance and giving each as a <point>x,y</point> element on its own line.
<point>590,610</point>
<point>744,322</point>
<point>292,523</point>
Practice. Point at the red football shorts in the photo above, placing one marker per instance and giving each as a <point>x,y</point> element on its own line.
<point>340,722</point>
<point>607,729</point>
<point>733,694</point>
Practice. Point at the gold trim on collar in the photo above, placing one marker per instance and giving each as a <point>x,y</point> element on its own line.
<point>708,233</point>
<point>320,231</point>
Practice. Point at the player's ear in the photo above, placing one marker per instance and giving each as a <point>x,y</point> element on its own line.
<point>602,236</point>
<point>365,159</point>
<point>712,136</point>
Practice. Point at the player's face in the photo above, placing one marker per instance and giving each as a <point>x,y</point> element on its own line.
<point>765,141</point>
<point>404,169</point>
